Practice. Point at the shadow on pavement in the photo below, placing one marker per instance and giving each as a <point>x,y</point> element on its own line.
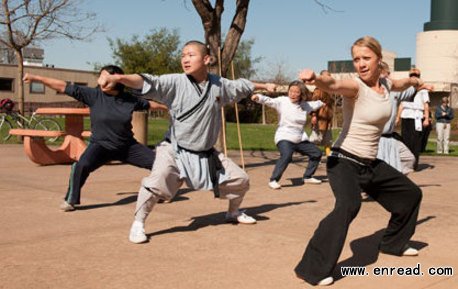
<point>121,202</point>
<point>365,250</point>
<point>132,199</point>
<point>429,185</point>
<point>422,167</point>
<point>218,218</point>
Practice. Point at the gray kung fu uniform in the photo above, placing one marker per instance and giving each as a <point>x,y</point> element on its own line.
<point>392,150</point>
<point>192,133</point>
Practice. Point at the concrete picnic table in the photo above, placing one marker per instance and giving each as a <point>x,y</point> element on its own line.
<point>73,145</point>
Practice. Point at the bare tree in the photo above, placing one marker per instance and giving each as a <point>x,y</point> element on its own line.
<point>211,21</point>
<point>25,22</point>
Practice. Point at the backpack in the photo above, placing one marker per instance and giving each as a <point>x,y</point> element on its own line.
<point>6,104</point>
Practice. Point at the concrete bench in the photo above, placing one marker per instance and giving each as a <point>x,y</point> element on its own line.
<point>86,133</point>
<point>36,132</point>
<point>37,150</point>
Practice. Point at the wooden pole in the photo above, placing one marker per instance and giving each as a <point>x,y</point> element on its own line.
<point>223,116</point>
<point>263,107</point>
<point>239,133</point>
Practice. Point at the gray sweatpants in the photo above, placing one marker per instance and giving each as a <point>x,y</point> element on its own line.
<point>164,182</point>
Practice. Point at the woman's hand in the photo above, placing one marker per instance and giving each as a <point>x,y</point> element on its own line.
<point>271,87</point>
<point>107,82</point>
<point>28,78</point>
<point>307,76</point>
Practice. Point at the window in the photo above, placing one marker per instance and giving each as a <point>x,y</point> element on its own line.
<point>37,87</point>
<point>6,84</point>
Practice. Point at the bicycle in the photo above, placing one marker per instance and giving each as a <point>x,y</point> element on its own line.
<point>14,119</point>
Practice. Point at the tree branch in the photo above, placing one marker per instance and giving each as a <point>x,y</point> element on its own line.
<point>326,7</point>
<point>235,33</point>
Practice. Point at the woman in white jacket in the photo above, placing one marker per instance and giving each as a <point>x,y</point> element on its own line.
<point>290,136</point>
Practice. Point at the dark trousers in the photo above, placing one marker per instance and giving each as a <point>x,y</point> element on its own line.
<point>412,138</point>
<point>390,188</point>
<point>424,137</point>
<point>287,149</point>
<point>96,156</point>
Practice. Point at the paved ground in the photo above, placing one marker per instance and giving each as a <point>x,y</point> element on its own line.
<point>190,245</point>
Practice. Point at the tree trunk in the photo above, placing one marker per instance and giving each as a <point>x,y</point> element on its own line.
<point>211,21</point>
<point>20,82</point>
<point>234,35</point>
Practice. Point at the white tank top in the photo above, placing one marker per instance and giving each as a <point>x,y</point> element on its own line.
<point>363,120</point>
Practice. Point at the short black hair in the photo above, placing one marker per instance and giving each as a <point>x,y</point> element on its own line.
<point>114,69</point>
<point>203,48</point>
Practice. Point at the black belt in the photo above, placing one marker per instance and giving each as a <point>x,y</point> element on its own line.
<point>214,165</point>
<point>340,153</point>
<point>394,135</point>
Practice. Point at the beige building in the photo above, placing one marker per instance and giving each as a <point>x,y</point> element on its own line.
<point>36,94</point>
<point>436,54</point>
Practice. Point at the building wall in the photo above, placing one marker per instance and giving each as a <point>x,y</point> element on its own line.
<point>437,57</point>
<point>48,96</point>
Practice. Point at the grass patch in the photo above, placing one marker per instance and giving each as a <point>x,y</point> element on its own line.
<point>257,137</point>
<point>254,136</point>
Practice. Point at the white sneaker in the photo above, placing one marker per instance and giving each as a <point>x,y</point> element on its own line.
<point>410,252</point>
<point>326,281</point>
<point>164,201</point>
<point>240,217</point>
<point>312,180</point>
<point>137,233</point>
<point>66,207</point>
<point>274,185</point>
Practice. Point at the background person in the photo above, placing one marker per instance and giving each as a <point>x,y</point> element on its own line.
<point>322,118</point>
<point>444,114</point>
<point>290,136</point>
<point>111,129</point>
<point>391,148</point>
<point>414,116</point>
<point>426,132</point>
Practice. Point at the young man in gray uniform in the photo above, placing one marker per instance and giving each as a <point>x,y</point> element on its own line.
<point>194,99</point>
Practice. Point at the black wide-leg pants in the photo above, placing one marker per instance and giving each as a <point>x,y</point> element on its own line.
<point>390,188</point>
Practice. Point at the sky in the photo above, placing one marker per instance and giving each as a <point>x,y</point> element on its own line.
<point>292,34</point>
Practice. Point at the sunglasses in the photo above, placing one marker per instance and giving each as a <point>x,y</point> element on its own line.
<point>414,75</point>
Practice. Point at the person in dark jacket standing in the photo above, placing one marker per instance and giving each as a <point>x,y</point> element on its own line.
<point>444,114</point>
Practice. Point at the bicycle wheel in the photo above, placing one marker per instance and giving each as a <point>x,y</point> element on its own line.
<point>48,124</point>
<point>5,127</point>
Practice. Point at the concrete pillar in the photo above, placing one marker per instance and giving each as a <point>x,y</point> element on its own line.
<point>437,56</point>
<point>140,126</point>
<point>444,15</point>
